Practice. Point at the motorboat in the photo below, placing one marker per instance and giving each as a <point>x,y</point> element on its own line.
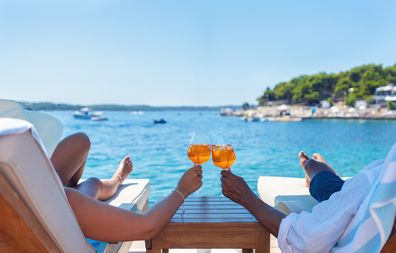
<point>83,113</point>
<point>86,114</point>
<point>159,121</point>
<point>98,116</point>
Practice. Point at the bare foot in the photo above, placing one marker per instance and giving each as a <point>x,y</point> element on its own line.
<point>303,160</point>
<point>318,157</point>
<point>124,169</point>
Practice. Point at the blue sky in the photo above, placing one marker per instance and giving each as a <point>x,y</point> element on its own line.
<point>181,52</point>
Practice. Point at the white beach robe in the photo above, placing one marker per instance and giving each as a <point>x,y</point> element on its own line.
<point>336,220</point>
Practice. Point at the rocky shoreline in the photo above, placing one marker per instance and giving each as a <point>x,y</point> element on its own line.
<point>297,113</point>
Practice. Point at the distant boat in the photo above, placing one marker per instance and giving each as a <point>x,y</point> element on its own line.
<point>83,113</point>
<point>86,114</point>
<point>98,116</point>
<point>252,119</point>
<point>159,121</point>
<point>226,112</point>
<point>137,113</point>
<point>285,119</point>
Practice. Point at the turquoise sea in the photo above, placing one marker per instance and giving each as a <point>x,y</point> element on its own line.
<point>159,151</point>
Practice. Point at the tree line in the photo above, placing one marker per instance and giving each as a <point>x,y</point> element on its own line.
<point>358,83</point>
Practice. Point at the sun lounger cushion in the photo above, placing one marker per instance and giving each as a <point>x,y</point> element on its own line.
<point>286,193</point>
<point>48,128</point>
<point>280,191</point>
<point>305,203</point>
<point>32,175</point>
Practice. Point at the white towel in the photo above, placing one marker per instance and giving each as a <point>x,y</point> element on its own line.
<point>9,126</point>
<point>373,222</point>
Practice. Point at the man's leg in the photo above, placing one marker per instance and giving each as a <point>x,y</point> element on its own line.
<point>322,179</point>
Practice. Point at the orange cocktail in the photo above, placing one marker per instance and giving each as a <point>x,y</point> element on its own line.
<point>199,153</point>
<point>223,156</point>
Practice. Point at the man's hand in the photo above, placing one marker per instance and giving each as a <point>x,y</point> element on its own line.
<point>235,188</point>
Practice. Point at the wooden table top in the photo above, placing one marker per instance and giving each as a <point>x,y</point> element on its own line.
<point>212,210</point>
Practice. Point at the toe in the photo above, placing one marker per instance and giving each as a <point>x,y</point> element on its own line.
<point>318,157</point>
<point>303,158</point>
<point>302,155</point>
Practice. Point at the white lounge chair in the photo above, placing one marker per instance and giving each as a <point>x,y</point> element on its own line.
<point>35,214</point>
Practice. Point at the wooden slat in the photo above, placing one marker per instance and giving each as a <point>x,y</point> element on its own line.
<point>207,198</point>
<point>215,220</point>
<point>262,240</point>
<point>218,211</point>
<point>205,216</point>
<point>214,204</point>
<point>20,230</point>
<point>223,235</point>
<point>212,209</point>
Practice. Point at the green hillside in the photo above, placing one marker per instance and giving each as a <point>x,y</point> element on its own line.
<point>357,83</point>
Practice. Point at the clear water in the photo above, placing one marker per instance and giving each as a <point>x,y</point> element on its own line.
<point>159,151</point>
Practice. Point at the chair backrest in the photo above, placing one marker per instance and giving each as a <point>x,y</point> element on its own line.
<point>390,245</point>
<point>49,128</point>
<point>26,167</point>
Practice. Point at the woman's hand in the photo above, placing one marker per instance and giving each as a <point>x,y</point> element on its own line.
<point>190,181</point>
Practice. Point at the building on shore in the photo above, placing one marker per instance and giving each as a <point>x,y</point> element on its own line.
<point>385,94</point>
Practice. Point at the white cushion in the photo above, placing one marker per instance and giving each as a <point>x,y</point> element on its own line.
<point>133,194</point>
<point>269,188</point>
<point>49,128</point>
<point>303,203</point>
<point>31,173</point>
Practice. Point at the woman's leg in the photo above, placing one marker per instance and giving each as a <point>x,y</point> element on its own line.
<point>69,159</point>
<point>105,189</point>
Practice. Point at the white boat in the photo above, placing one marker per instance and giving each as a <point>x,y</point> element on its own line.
<point>137,113</point>
<point>83,113</point>
<point>285,119</point>
<point>226,112</point>
<point>98,116</point>
<point>86,114</point>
